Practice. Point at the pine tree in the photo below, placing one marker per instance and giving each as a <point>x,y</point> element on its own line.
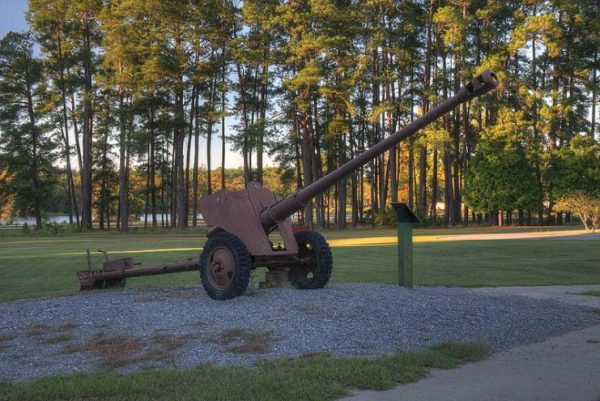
<point>53,30</point>
<point>26,150</point>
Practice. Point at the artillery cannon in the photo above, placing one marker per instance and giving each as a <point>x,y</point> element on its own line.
<point>242,221</point>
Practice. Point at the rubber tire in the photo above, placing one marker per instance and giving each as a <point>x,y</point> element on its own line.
<point>241,272</point>
<point>324,262</point>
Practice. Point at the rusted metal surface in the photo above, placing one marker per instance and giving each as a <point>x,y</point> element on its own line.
<point>238,213</point>
<point>221,267</point>
<point>114,273</point>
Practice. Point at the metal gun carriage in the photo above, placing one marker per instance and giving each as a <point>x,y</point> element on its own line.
<point>242,221</point>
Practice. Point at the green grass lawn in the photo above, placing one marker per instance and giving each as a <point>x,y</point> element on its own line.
<point>315,377</point>
<point>32,266</point>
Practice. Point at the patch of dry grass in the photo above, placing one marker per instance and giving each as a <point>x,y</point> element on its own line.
<point>306,308</point>
<point>114,351</point>
<point>117,351</point>
<point>38,330</point>
<point>56,334</point>
<point>7,337</point>
<point>61,338</point>
<point>244,341</point>
<point>169,294</point>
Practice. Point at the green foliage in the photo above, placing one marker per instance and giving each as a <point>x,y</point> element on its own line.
<point>386,217</point>
<point>312,82</point>
<point>500,176</point>
<point>590,293</point>
<point>576,168</point>
<point>26,151</point>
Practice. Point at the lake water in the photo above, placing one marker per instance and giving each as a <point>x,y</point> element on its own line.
<point>64,219</point>
<point>30,220</point>
<point>167,217</point>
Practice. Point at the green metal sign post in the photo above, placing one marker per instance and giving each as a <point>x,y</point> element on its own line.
<point>406,219</point>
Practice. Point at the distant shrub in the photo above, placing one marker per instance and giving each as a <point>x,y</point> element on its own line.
<point>437,221</point>
<point>386,217</point>
<point>52,228</point>
<point>368,216</point>
<point>70,228</point>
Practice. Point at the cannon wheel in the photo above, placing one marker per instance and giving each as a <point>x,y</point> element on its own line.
<point>224,266</point>
<point>315,274</point>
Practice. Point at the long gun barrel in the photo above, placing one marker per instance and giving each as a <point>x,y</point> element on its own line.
<point>478,86</point>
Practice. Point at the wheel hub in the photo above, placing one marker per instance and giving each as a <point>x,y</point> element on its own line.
<point>221,267</point>
<point>309,268</point>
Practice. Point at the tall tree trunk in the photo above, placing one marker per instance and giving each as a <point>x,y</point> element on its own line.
<point>223,146</point>
<point>76,136</point>
<point>71,186</point>
<point>209,131</point>
<point>448,189</point>
<point>188,152</point>
<point>180,134</point>
<point>411,172</point>
<point>307,135</point>
<point>37,208</point>
<point>147,191</point>
<point>245,123</point>
<point>341,187</point>
<point>123,176</point>
<point>594,94</point>
<point>263,118</point>
<point>86,176</point>
<point>316,166</point>
<point>422,202</point>
<point>195,173</point>
<point>353,183</point>
<point>152,168</point>
<point>422,194</point>
<point>434,184</point>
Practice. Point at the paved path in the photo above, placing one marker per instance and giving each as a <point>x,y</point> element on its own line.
<point>563,293</point>
<point>562,368</point>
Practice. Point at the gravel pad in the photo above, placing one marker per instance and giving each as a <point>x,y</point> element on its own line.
<point>183,327</point>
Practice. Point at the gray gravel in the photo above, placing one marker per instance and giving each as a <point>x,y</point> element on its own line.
<point>353,319</point>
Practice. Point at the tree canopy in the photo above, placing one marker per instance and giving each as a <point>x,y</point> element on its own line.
<point>132,108</point>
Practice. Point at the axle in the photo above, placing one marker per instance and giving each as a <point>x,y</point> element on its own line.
<point>114,272</point>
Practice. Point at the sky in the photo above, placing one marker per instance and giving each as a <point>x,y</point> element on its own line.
<point>12,18</point>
